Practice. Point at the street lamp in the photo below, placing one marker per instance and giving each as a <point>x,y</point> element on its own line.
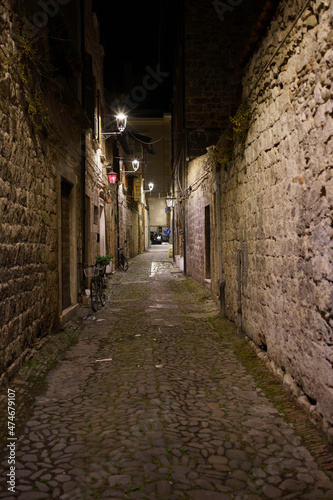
<point>112,176</point>
<point>121,120</point>
<point>170,202</point>
<point>150,186</point>
<point>135,164</point>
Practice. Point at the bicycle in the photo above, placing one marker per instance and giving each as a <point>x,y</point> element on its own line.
<point>97,285</point>
<point>122,261</point>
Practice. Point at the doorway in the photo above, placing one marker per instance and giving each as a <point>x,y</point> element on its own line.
<point>87,239</point>
<point>66,189</point>
<point>102,242</point>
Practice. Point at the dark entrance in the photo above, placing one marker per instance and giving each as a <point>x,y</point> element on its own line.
<point>207,241</point>
<point>66,188</point>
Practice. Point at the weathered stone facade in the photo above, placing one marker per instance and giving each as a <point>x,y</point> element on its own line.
<point>213,42</point>
<point>276,208</point>
<point>48,147</point>
<point>201,241</point>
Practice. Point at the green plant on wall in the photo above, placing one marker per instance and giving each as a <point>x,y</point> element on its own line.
<point>35,105</point>
<point>240,125</point>
<point>223,153</point>
<point>233,137</point>
<point>43,216</point>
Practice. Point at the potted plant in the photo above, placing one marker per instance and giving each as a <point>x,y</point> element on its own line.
<point>103,260</point>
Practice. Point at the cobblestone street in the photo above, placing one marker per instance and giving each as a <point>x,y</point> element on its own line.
<point>149,400</point>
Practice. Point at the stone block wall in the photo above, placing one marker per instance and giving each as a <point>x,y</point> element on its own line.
<point>28,234</point>
<point>40,150</point>
<point>276,206</point>
<point>128,225</point>
<point>283,188</point>
<point>201,182</point>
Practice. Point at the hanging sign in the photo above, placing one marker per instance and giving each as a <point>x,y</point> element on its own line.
<point>137,189</point>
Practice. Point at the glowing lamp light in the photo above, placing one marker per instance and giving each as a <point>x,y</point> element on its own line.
<point>121,120</point>
<point>170,202</point>
<point>135,165</point>
<point>150,186</point>
<point>112,176</point>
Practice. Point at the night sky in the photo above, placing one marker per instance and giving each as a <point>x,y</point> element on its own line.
<point>137,35</point>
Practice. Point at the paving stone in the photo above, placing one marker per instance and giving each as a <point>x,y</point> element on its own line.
<point>236,455</point>
<point>119,479</point>
<point>272,492</point>
<point>163,489</point>
<point>33,495</point>
<point>235,484</point>
<point>69,486</point>
<point>291,485</point>
<point>208,495</point>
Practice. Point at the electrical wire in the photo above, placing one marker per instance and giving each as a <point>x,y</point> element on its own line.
<point>143,142</point>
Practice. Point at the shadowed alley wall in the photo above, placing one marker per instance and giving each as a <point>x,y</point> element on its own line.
<point>276,207</point>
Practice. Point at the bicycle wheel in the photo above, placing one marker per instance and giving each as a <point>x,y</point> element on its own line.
<point>94,294</point>
<point>102,278</point>
<point>101,295</point>
<point>124,264</point>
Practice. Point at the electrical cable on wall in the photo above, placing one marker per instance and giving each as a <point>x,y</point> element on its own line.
<point>143,142</point>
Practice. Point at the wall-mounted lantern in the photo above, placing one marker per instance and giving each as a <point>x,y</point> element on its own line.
<point>135,164</point>
<point>170,202</point>
<point>121,121</point>
<point>112,176</point>
<point>150,186</point>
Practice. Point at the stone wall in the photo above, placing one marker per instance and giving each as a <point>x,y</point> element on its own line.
<point>158,215</point>
<point>29,190</point>
<point>41,157</point>
<point>276,207</point>
<point>285,202</point>
<point>199,196</point>
<point>128,225</point>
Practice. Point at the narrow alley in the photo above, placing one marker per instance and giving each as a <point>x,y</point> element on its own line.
<point>150,401</point>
